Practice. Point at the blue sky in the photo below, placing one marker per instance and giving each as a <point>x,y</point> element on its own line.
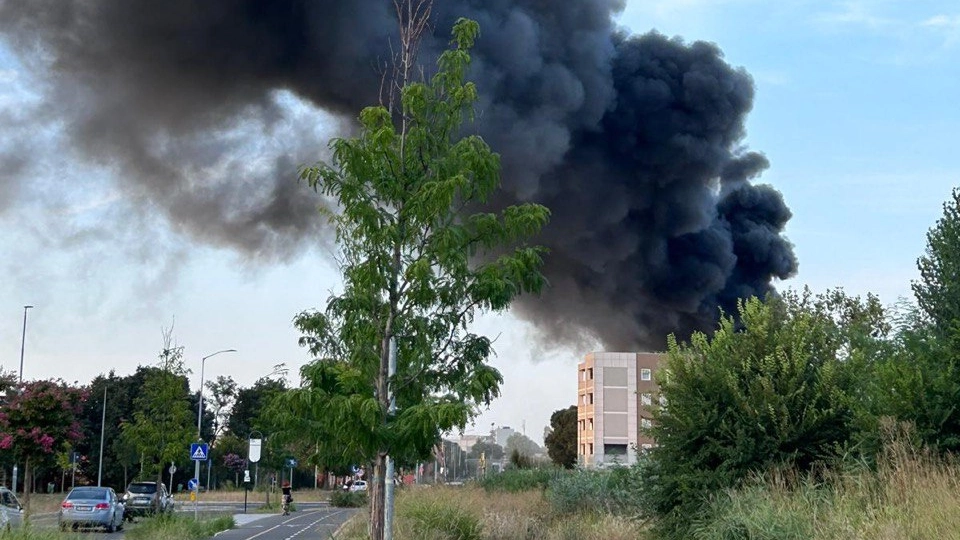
<point>855,108</point>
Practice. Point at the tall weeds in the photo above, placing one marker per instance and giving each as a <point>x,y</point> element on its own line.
<point>911,494</point>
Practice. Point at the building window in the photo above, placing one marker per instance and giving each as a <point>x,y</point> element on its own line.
<point>645,423</point>
<point>583,374</point>
<point>590,449</point>
<point>583,449</point>
<point>590,399</point>
<point>591,424</point>
<point>645,374</point>
<point>615,449</point>
<point>590,374</point>
<point>646,398</point>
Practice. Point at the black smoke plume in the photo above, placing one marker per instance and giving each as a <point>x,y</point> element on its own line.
<point>634,142</point>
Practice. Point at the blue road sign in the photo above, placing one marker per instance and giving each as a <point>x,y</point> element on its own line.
<point>192,484</point>
<point>291,462</point>
<point>199,451</point>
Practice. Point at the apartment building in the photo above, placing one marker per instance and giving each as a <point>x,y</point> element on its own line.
<point>616,393</point>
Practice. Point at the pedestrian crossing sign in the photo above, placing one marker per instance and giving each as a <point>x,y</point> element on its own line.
<point>199,451</point>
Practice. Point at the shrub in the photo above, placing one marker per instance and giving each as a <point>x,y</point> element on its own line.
<point>348,499</point>
<point>613,491</point>
<point>514,480</point>
<point>181,527</point>
<point>774,389</point>
<point>435,519</point>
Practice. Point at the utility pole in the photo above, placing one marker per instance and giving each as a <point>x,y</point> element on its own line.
<point>103,424</point>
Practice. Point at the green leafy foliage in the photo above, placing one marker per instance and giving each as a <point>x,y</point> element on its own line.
<point>181,527</point>
<point>348,499</point>
<point>522,445</point>
<point>38,420</point>
<point>561,442</point>
<point>938,289</point>
<point>487,449</point>
<point>780,390</point>
<point>420,259</point>
<point>163,423</point>
<point>515,480</point>
<point>615,491</point>
<point>430,519</point>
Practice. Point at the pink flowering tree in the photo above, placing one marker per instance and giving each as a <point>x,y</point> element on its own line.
<point>236,464</point>
<point>37,420</point>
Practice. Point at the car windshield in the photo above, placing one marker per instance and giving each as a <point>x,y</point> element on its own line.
<point>87,493</point>
<point>142,488</point>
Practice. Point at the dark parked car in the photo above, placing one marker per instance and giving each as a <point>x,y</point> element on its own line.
<point>91,507</point>
<point>147,499</point>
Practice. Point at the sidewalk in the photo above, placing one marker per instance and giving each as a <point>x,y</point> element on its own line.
<point>243,519</point>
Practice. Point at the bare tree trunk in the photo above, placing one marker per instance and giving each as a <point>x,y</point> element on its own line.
<point>377,497</point>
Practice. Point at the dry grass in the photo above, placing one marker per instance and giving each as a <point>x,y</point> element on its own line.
<point>523,515</point>
<point>913,495</point>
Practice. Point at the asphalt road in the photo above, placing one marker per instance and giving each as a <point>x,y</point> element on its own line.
<point>310,521</point>
<point>313,522</point>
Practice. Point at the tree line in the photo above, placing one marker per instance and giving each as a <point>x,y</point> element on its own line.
<point>52,430</point>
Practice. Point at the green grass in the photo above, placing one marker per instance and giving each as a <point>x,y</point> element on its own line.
<point>33,533</point>
<point>517,480</point>
<point>348,499</point>
<point>175,527</point>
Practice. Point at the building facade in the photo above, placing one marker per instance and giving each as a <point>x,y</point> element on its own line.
<point>616,392</point>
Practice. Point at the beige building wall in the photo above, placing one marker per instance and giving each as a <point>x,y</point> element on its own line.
<point>616,392</point>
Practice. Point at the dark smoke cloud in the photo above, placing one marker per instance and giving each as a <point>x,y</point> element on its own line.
<point>634,142</point>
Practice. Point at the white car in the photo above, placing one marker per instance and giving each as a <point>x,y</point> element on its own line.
<point>359,485</point>
<point>11,512</point>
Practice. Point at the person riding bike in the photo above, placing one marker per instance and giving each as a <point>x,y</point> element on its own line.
<point>287,498</point>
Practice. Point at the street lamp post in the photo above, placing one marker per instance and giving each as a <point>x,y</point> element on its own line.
<point>103,426</point>
<point>23,339</point>
<point>196,470</point>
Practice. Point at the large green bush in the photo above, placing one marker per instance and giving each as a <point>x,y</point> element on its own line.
<point>776,388</point>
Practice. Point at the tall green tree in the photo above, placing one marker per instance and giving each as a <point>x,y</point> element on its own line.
<point>38,420</point>
<point>417,266</point>
<point>562,441</point>
<point>249,405</point>
<point>938,289</point>
<point>522,444</point>
<point>779,390</point>
<point>163,423</point>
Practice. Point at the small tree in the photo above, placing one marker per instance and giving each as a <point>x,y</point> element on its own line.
<point>163,424</point>
<point>416,266</point>
<point>522,444</point>
<point>39,420</point>
<point>561,442</point>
